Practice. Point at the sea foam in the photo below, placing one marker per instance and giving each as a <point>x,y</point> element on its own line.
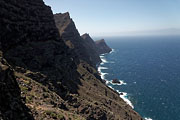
<point>121,83</point>
<point>103,75</point>
<point>112,51</point>
<point>124,97</point>
<point>148,119</point>
<point>100,68</point>
<point>103,59</point>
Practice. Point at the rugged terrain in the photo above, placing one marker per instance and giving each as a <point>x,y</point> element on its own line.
<point>102,47</point>
<point>47,72</point>
<point>74,41</point>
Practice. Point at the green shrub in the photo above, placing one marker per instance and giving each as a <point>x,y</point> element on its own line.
<point>24,89</point>
<point>29,99</point>
<point>60,116</point>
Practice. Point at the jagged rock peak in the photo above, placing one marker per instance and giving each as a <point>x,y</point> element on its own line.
<point>90,45</point>
<point>100,41</point>
<point>102,46</point>
<point>65,24</point>
<point>84,47</point>
<point>65,15</point>
<point>85,35</point>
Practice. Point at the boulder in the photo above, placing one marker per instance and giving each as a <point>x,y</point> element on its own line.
<point>116,81</point>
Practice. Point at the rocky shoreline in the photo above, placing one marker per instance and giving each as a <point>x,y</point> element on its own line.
<point>115,81</point>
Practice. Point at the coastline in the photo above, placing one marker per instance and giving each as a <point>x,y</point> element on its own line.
<point>109,83</point>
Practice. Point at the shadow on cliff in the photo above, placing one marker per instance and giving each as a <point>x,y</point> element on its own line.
<point>30,40</point>
<point>51,63</point>
<point>11,103</point>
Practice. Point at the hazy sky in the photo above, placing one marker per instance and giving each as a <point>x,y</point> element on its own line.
<point>121,17</point>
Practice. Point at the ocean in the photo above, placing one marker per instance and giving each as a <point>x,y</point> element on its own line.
<point>149,71</point>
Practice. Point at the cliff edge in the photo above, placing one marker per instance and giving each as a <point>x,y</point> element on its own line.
<point>69,33</point>
<point>102,47</point>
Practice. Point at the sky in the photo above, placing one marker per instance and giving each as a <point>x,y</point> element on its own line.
<point>122,17</point>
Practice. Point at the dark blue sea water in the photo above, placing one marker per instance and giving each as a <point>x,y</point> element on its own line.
<point>151,68</point>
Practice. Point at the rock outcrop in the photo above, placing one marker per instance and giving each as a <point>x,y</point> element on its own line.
<point>102,47</point>
<point>55,75</point>
<point>116,81</point>
<point>91,48</point>
<point>73,40</point>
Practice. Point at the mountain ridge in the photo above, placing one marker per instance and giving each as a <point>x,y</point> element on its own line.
<point>102,47</point>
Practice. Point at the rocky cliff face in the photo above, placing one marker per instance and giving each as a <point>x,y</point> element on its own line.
<point>19,22</point>
<point>30,41</point>
<point>11,104</point>
<point>102,47</point>
<point>91,47</point>
<point>72,38</point>
<point>55,80</point>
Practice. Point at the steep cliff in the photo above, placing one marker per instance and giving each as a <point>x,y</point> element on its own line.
<point>99,102</point>
<point>91,47</point>
<point>102,47</point>
<point>55,81</point>
<point>31,40</point>
<point>72,38</point>
<point>31,44</point>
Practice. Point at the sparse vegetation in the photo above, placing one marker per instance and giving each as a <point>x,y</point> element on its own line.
<point>45,95</point>
<point>54,115</point>
<point>23,89</point>
<point>60,116</point>
<point>29,99</point>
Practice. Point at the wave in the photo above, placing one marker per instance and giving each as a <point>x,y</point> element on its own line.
<point>124,96</point>
<point>112,51</point>
<point>103,75</point>
<point>148,119</point>
<point>102,68</point>
<point>111,87</point>
<point>109,83</point>
<point>104,54</point>
<point>103,59</point>
<point>101,63</point>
